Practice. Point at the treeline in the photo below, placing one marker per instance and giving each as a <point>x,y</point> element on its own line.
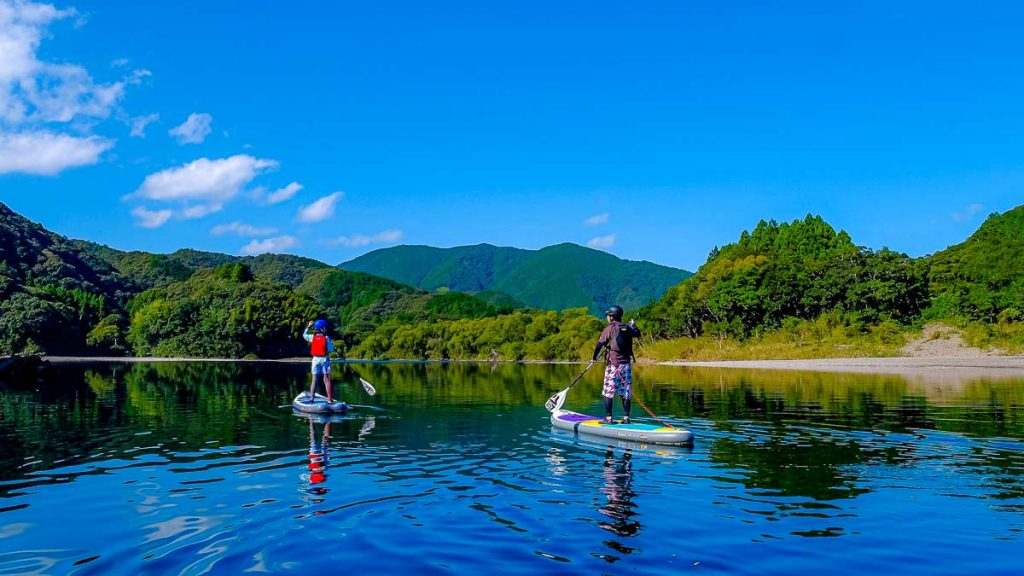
<point>785,277</point>
<point>782,273</point>
<point>798,278</point>
<point>534,335</point>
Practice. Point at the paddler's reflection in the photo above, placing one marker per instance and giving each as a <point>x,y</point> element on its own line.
<point>618,489</point>
<point>318,458</point>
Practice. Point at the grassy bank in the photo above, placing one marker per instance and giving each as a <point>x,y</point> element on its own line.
<point>836,337</point>
<point>771,346</point>
<point>1008,338</point>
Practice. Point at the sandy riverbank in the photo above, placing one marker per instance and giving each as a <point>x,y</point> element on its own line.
<point>929,366</point>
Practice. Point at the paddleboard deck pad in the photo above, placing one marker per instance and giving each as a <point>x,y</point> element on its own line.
<point>637,432</point>
<point>319,405</point>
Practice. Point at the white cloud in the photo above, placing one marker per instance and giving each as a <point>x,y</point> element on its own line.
<point>151,218</point>
<point>386,237</point>
<point>320,210</point>
<point>968,214</point>
<point>194,130</point>
<point>137,75</point>
<point>282,194</point>
<point>241,229</point>
<point>596,219</point>
<point>22,25</point>
<point>139,124</point>
<point>276,245</point>
<point>40,100</point>
<point>602,242</point>
<point>211,182</point>
<point>48,153</point>
<point>64,92</point>
<point>200,210</point>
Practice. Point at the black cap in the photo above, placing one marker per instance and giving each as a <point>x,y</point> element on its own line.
<point>615,312</point>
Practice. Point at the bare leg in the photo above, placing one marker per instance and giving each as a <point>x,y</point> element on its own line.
<point>312,387</point>
<point>327,385</point>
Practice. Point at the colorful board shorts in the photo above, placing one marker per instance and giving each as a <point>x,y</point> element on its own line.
<point>321,365</point>
<point>618,381</point>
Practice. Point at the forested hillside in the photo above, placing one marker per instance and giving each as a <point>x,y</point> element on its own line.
<point>76,297</point>
<point>554,278</point>
<point>59,296</point>
<point>53,294</point>
<point>982,278</point>
<point>790,271</point>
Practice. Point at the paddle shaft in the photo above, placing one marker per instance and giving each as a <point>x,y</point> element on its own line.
<point>577,379</point>
<point>555,402</point>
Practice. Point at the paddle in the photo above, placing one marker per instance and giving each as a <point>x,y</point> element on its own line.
<point>366,385</point>
<point>556,401</point>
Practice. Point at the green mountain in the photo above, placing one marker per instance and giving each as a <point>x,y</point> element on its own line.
<point>62,296</point>
<point>790,271</point>
<point>553,278</point>
<point>144,270</point>
<point>983,277</point>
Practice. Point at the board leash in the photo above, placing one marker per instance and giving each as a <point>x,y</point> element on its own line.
<point>648,410</point>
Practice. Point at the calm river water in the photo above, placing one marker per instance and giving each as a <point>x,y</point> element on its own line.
<point>187,468</point>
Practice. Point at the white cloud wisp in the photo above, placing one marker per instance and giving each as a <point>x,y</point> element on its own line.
<point>968,214</point>
<point>241,229</point>
<point>194,130</point>
<point>602,242</point>
<point>151,218</point>
<point>274,245</point>
<point>320,210</point>
<point>282,194</point>
<point>386,237</point>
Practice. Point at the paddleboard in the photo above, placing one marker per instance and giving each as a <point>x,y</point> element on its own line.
<point>634,431</point>
<point>319,405</point>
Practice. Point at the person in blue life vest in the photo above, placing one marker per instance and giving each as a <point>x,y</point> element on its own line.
<point>320,348</point>
<point>617,342</point>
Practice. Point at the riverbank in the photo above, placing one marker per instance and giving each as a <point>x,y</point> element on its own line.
<point>938,367</point>
<point>965,364</point>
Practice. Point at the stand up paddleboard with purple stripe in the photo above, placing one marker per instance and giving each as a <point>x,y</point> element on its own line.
<point>637,432</point>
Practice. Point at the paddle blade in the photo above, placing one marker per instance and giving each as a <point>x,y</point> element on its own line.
<point>556,401</point>
<point>368,387</point>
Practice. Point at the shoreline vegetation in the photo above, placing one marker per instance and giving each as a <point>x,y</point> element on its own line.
<point>940,368</point>
<point>791,291</point>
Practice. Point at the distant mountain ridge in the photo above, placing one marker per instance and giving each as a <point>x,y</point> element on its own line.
<point>64,296</point>
<point>552,278</point>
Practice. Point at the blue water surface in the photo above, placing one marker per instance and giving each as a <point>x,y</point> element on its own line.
<point>191,468</point>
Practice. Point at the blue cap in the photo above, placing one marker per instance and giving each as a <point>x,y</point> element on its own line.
<point>320,325</point>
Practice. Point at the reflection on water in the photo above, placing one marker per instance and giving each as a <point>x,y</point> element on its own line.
<point>618,481</point>
<point>319,458</point>
<point>194,467</point>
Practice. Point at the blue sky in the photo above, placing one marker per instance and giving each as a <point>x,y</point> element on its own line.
<point>652,130</point>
